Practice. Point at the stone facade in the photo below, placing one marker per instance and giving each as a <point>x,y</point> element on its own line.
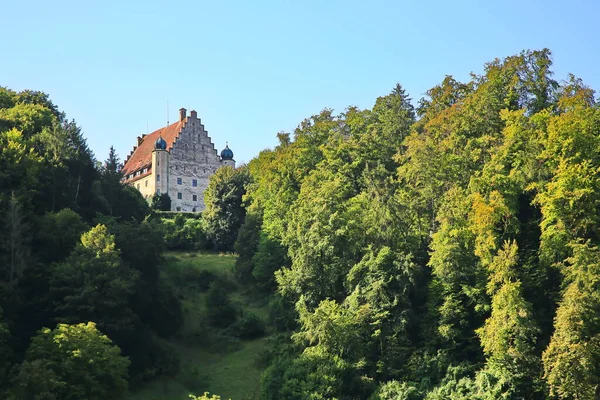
<point>182,169</point>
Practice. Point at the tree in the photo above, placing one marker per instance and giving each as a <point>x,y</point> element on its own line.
<point>394,390</point>
<point>510,333</point>
<point>572,359</point>
<point>92,284</point>
<point>220,310</point>
<point>113,198</point>
<point>246,245</point>
<point>161,202</point>
<point>72,362</point>
<point>224,212</point>
<point>270,256</point>
<point>5,350</point>
<point>58,233</point>
<point>16,241</point>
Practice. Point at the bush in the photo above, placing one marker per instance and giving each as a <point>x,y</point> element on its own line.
<point>192,379</point>
<point>151,357</point>
<point>161,202</point>
<point>191,278</point>
<point>282,314</point>
<point>220,311</point>
<point>277,345</point>
<point>394,390</point>
<point>184,232</point>
<point>249,327</point>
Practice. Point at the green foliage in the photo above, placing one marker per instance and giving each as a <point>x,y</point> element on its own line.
<point>249,326</point>
<point>58,233</point>
<point>313,375</point>
<point>94,285</point>
<point>571,360</point>
<point>224,213</point>
<point>205,396</point>
<point>270,256</point>
<point>246,245</point>
<point>221,312</point>
<point>5,350</point>
<point>282,314</point>
<point>72,362</point>
<point>161,202</point>
<point>183,233</point>
<point>52,190</point>
<point>449,257</point>
<point>395,390</point>
<point>16,242</point>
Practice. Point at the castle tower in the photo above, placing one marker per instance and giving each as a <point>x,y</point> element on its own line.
<point>227,156</point>
<point>160,163</point>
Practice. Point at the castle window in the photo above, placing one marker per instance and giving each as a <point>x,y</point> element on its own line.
<point>195,197</point>
<point>194,182</point>
<point>179,196</point>
<point>178,208</point>
<point>138,186</point>
<point>157,191</point>
<point>146,183</point>
<point>157,177</point>
<point>179,181</point>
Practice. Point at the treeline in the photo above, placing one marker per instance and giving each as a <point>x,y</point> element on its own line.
<point>447,251</point>
<point>82,309</point>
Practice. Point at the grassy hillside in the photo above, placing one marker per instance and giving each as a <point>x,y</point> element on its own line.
<point>211,359</point>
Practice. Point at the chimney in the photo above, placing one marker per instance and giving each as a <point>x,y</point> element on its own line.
<point>182,113</point>
<point>194,114</point>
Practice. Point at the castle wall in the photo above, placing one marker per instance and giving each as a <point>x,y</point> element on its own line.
<point>193,157</point>
<point>145,186</point>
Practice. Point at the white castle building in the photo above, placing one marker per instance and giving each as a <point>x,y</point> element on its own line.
<point>178,160</point>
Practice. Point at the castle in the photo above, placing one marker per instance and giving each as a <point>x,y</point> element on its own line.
<point>178,160</point>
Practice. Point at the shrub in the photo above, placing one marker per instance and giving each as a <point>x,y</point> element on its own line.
<point>282,314</point>
<point>394,390</point>
<point>249,326</point>
<point>72,362</point>
<point>183,232</point>
<point>220,311</point>
<point>192,379</point>
<point>191,278</point>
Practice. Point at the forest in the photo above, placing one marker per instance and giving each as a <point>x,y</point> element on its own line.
<point>442,249</point>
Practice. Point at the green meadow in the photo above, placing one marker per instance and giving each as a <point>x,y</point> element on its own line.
<point>211,360</point>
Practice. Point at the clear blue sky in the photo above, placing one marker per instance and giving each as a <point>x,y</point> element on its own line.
<point>253,68</point>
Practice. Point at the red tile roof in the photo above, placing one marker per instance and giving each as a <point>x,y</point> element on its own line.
<point>142,155</point>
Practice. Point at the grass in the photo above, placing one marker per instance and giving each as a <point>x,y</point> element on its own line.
<point>211,361</point>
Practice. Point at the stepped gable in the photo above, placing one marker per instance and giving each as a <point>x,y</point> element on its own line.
<point>141,155</point>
